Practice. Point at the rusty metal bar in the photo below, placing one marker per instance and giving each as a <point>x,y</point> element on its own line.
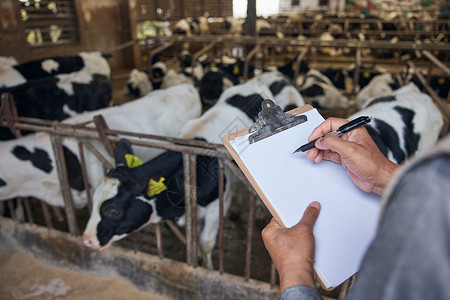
<point>193,191</point>
<point>298,61</point>
<point>176,231</point>
<point>100,125</point>
<point>123,46</point>
<point>150,59</point>
<point>356,86</point>
<point>57,212</point>
<point>159,242</point>
<point>47,215</point>
<point>94,151</point>
<point>29,215</point>
<point>65,188</point>
<point>10,113</point>
<point>221,214</point>
<point>133,236</point>
<point>251,221</point>
<point>203,51</point>
<point>294,42</point>
<point>85,176</point>
<point>436,62</point>
<point>11,209</point>
<point>430,91</point>
<point>248,58</point>
<point>202,148</point>
<point>188,208</point>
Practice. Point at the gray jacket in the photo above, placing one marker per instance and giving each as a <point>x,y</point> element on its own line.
<point>410,256</point>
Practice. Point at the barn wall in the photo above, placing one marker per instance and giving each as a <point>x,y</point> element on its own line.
<point>103,24</point>
<point>177,9</point>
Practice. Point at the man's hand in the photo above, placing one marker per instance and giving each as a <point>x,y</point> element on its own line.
<point>356,151</point>
<point>292,249</point>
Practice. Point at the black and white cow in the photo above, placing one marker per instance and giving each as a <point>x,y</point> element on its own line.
<point>213,83</point>
<point>289,68</point>
<point>57,88</point>
<point>88,62</point>
<point>140,83</point>
<point>403,124</point>
<point>320,92</point>
<point>119,209</point>
<point>187,26</point>
<point>285,94</point>
<point>380,86</point>
<point>30,162</point>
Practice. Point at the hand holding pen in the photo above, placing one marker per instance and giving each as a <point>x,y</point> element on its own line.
<point>363,120</point>
<point>356,151</point>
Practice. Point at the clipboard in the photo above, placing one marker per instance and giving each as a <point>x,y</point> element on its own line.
<point>262,164</point>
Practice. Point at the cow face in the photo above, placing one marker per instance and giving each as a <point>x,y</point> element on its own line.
<point>120,206</point>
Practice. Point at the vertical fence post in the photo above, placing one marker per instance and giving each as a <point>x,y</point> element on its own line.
<point>65,189</point>
<point>85,178</point>
<point>188,208</point>
<point>159,243</point>
<point>251,217</point>
<point>193,199</point>
<point>221,215</point>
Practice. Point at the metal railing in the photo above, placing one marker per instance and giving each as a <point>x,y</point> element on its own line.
<point>190,149</point>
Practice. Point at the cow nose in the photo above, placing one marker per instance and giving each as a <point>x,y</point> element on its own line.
<point>88,241</point>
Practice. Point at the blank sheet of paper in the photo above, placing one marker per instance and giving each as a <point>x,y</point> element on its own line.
<point>349,216</point>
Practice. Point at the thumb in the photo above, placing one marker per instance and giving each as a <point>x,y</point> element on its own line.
<point>311,214</point>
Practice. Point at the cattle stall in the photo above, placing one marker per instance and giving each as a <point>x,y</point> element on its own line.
<point>254,48</point>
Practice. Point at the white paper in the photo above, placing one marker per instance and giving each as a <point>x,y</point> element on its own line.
<point>348,218</point>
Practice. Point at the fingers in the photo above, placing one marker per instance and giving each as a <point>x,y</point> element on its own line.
<point>311,214</point>
<point>327,126</point>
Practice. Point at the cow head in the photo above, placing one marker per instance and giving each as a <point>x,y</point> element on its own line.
<point>120,205</point>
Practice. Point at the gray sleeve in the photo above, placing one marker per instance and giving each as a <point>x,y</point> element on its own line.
<point>410,256</point>
<point>299,292</point>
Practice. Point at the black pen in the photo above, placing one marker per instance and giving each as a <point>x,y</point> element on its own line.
<point>341,130</point>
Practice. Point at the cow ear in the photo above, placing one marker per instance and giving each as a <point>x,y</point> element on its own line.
<point>123,147</point>
<point>139,186</point>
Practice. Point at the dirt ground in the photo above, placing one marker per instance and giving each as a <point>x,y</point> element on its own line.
<point>22,277</point>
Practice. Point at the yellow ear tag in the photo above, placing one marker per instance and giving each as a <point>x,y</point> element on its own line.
<point>132,161</point>
<point>236,70</point>
<point>294,66</point>
<point>336,76</point>
<point>366,74</point>
<point>441,80</point>
<point>156,187</point>
<point>213,65</point>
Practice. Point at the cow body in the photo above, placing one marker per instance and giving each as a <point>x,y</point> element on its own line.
<point>31,163</point>
<point>285,94</point>
<point>406,123</point>
<point>237,107</point>
<point>212,85</point>
<point>88,62</point>
<point>380,86</point>
<point>320,92</point>
<point>57,88</point>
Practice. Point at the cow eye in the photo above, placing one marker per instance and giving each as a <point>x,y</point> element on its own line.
<point>112,213</point>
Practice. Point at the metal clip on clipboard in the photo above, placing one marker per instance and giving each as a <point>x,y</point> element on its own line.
<point>272,120</point>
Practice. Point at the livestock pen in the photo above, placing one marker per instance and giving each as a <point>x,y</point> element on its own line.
<point>245,282</point>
